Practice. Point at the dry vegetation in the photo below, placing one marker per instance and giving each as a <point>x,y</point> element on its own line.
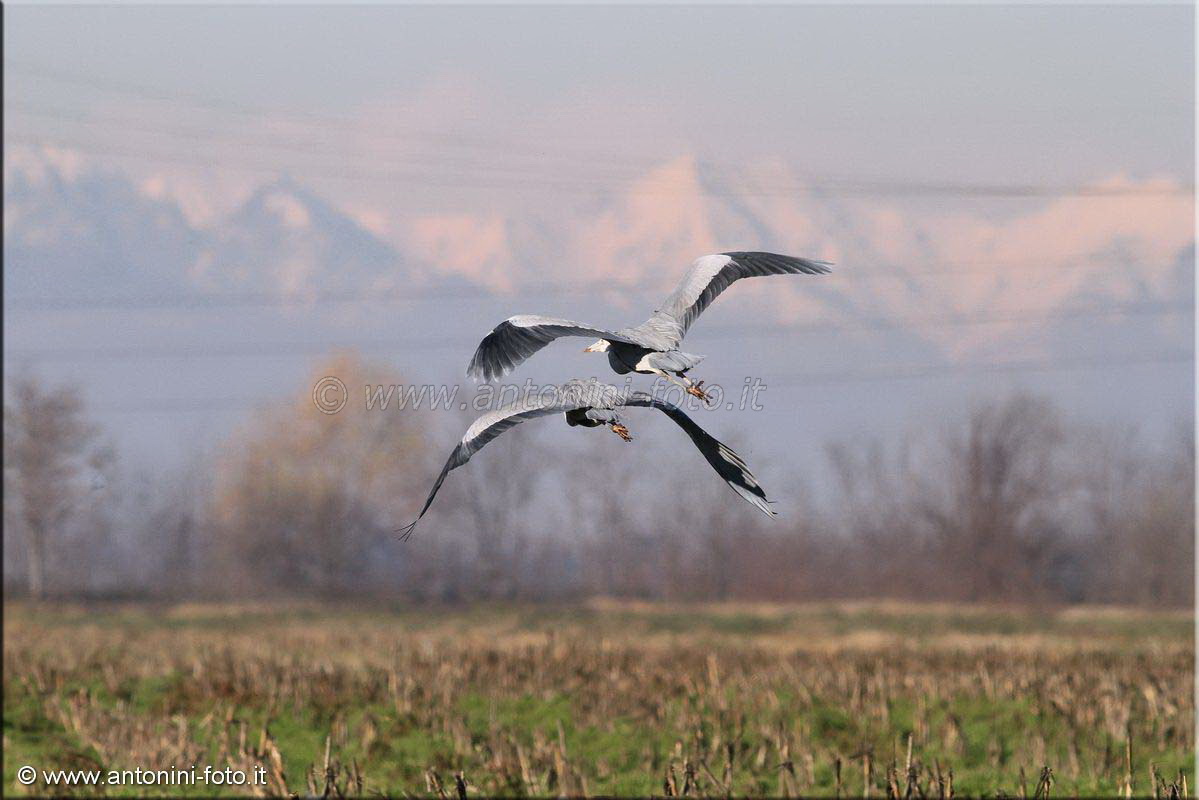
<point>612,698</point>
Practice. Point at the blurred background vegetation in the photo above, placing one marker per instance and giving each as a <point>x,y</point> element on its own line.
<point>1014,501</point>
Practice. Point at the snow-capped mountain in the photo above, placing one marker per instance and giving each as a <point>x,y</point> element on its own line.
<point>85,232</point>
<point>286,240</point>
<point>961,282</point>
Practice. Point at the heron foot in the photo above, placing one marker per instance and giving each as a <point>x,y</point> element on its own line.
<point>622,432</point>
<point>697,389</point>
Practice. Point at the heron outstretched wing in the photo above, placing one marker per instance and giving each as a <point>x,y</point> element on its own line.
<point>710,275</point>
<point>568,397</point>
<point>728,464</point>
<point>517,338</point>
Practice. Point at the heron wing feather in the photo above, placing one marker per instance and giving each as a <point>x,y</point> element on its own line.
<point>517,338</point>
<point>490,425</point>
<point>710,275</point>
<point>723,459</point>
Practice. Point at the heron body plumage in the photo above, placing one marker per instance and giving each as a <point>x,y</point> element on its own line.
<point>672,361</point>
<point>591,417</point>
<point>626,358</point>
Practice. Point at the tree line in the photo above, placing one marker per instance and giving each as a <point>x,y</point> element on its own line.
<point>1015,502</point>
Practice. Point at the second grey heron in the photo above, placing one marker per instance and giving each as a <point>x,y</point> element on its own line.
<point>591,404</point>
<point>652,347</point>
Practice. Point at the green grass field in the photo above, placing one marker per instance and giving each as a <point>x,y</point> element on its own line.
<point>606,698</point>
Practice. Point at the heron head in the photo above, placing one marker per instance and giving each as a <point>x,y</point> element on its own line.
<point>599,347</point>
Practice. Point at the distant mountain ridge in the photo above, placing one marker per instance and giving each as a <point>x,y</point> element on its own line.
<point>285,239</point>
<point>91,231</point>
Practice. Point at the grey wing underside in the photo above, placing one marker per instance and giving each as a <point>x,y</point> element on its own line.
<point>728,464</point>
<point>709,276</point>
<point>488,427</point>
<point>517,338</point>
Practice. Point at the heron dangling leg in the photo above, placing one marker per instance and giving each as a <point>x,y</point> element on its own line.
<point>688,385</point>
<point>697,389</point>
<point>622,431</point>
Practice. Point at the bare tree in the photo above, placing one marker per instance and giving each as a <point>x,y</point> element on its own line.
<point>171,531</point>
<point>994,519</point>
<point>1011,504</point>
<point>495,495</point>
<point>879,546</point>
<point>49,449</point>
<point>1138,506</point>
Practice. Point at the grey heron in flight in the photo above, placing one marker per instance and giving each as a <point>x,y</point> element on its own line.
<point>651,348</point>
<point>592,404</point>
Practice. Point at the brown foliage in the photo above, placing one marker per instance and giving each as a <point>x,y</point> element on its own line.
<point>304,501</point>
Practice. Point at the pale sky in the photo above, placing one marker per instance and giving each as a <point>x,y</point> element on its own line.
<point>1013,94</point>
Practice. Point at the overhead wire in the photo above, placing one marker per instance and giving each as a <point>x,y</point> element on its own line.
<point>401,343</point>
<point>197,300</point>
<point>815,379</point>
<point>490,144</point>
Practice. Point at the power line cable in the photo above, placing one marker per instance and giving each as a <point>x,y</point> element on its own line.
<point>399,344</point>
<point>853,188</point>
<point>223,300</point>
<point>810,379</point>
<point>1027,365</point>
<point>538,148</point>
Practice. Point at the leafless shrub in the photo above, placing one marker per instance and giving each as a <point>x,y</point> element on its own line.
<point>52,460</point>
